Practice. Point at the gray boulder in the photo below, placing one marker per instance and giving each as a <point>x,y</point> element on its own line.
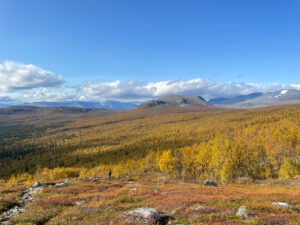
<point>242,212</point>
<point>282,205</point>
<point>80,202</point>
<point>61,184</point>
<point>210,183</point>
<point>143,215</point>
<point>37,184</point>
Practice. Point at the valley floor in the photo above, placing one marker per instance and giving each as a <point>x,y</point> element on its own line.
<point>102,200</point>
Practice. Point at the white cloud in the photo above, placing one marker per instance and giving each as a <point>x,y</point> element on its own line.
<point>125,90</point>
<point>17,76</point>
<point>46,95</point>
<point>133,90</point>
<point>29,83</point>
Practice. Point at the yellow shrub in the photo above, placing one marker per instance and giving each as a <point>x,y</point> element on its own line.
<point>167,163</point>
<point>288,169</point>
<point>12,181</point>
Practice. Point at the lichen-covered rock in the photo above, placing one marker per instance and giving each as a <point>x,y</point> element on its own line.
<point>37,184</point>
<point>62,184</point>
<point>242,212</point>
<point>80,202</point>
<point>282,205</point>
<point>143,215</point>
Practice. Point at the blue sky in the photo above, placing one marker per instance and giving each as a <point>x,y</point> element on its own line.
<point>138,49</point>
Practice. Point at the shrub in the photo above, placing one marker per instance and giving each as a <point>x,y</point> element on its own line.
<point>167,163</point>
<point>288,169</point>
<point>183,221</point>
<point>58,173</point>
<point>12,182</point>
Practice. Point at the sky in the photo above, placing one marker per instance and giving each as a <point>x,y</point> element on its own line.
<point>134,50</point>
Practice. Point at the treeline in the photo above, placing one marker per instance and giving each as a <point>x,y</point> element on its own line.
<point>220,145</point>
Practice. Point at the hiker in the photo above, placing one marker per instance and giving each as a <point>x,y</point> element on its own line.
<point>109,174</point>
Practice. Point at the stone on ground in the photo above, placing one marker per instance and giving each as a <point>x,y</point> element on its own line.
<point>37,184</point>
<point>242,212</point>
<point>143,215</point>
<point>210,183</point>
<point>282,205</point>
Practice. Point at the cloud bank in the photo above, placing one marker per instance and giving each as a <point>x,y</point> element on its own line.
<point>17,76</point>
<point>133,90</point>
<point>29,83</point>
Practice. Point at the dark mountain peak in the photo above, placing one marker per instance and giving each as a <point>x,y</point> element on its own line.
<point>175,100</point>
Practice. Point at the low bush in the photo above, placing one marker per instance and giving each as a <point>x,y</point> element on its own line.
<point>59,173</point>
<point>289,169</point>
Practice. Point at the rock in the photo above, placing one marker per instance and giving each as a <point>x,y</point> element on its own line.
<point>144,215</point>
<point>34,190</point>
<point>282,205</point>
<point>132,189</point>
<point>80,202</point>
<point>174,211</point>
<point>62,184</point>
<point>199,208</point>
<point>210,183</point>
<point>37,184</point>
<point>242,213</point>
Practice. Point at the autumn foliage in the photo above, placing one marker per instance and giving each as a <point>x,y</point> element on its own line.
<point>222,145</point>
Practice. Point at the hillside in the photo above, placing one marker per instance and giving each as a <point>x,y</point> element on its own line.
<point>203,143</point>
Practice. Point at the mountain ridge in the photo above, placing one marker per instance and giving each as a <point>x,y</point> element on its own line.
<point>280,97</point>
<point>175,100</point>
<point>252,100</point>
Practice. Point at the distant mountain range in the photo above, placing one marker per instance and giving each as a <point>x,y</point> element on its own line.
<point>257,100</point>
<point>80,104</point>
<point>254,100</point>
<point>240,98</point>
